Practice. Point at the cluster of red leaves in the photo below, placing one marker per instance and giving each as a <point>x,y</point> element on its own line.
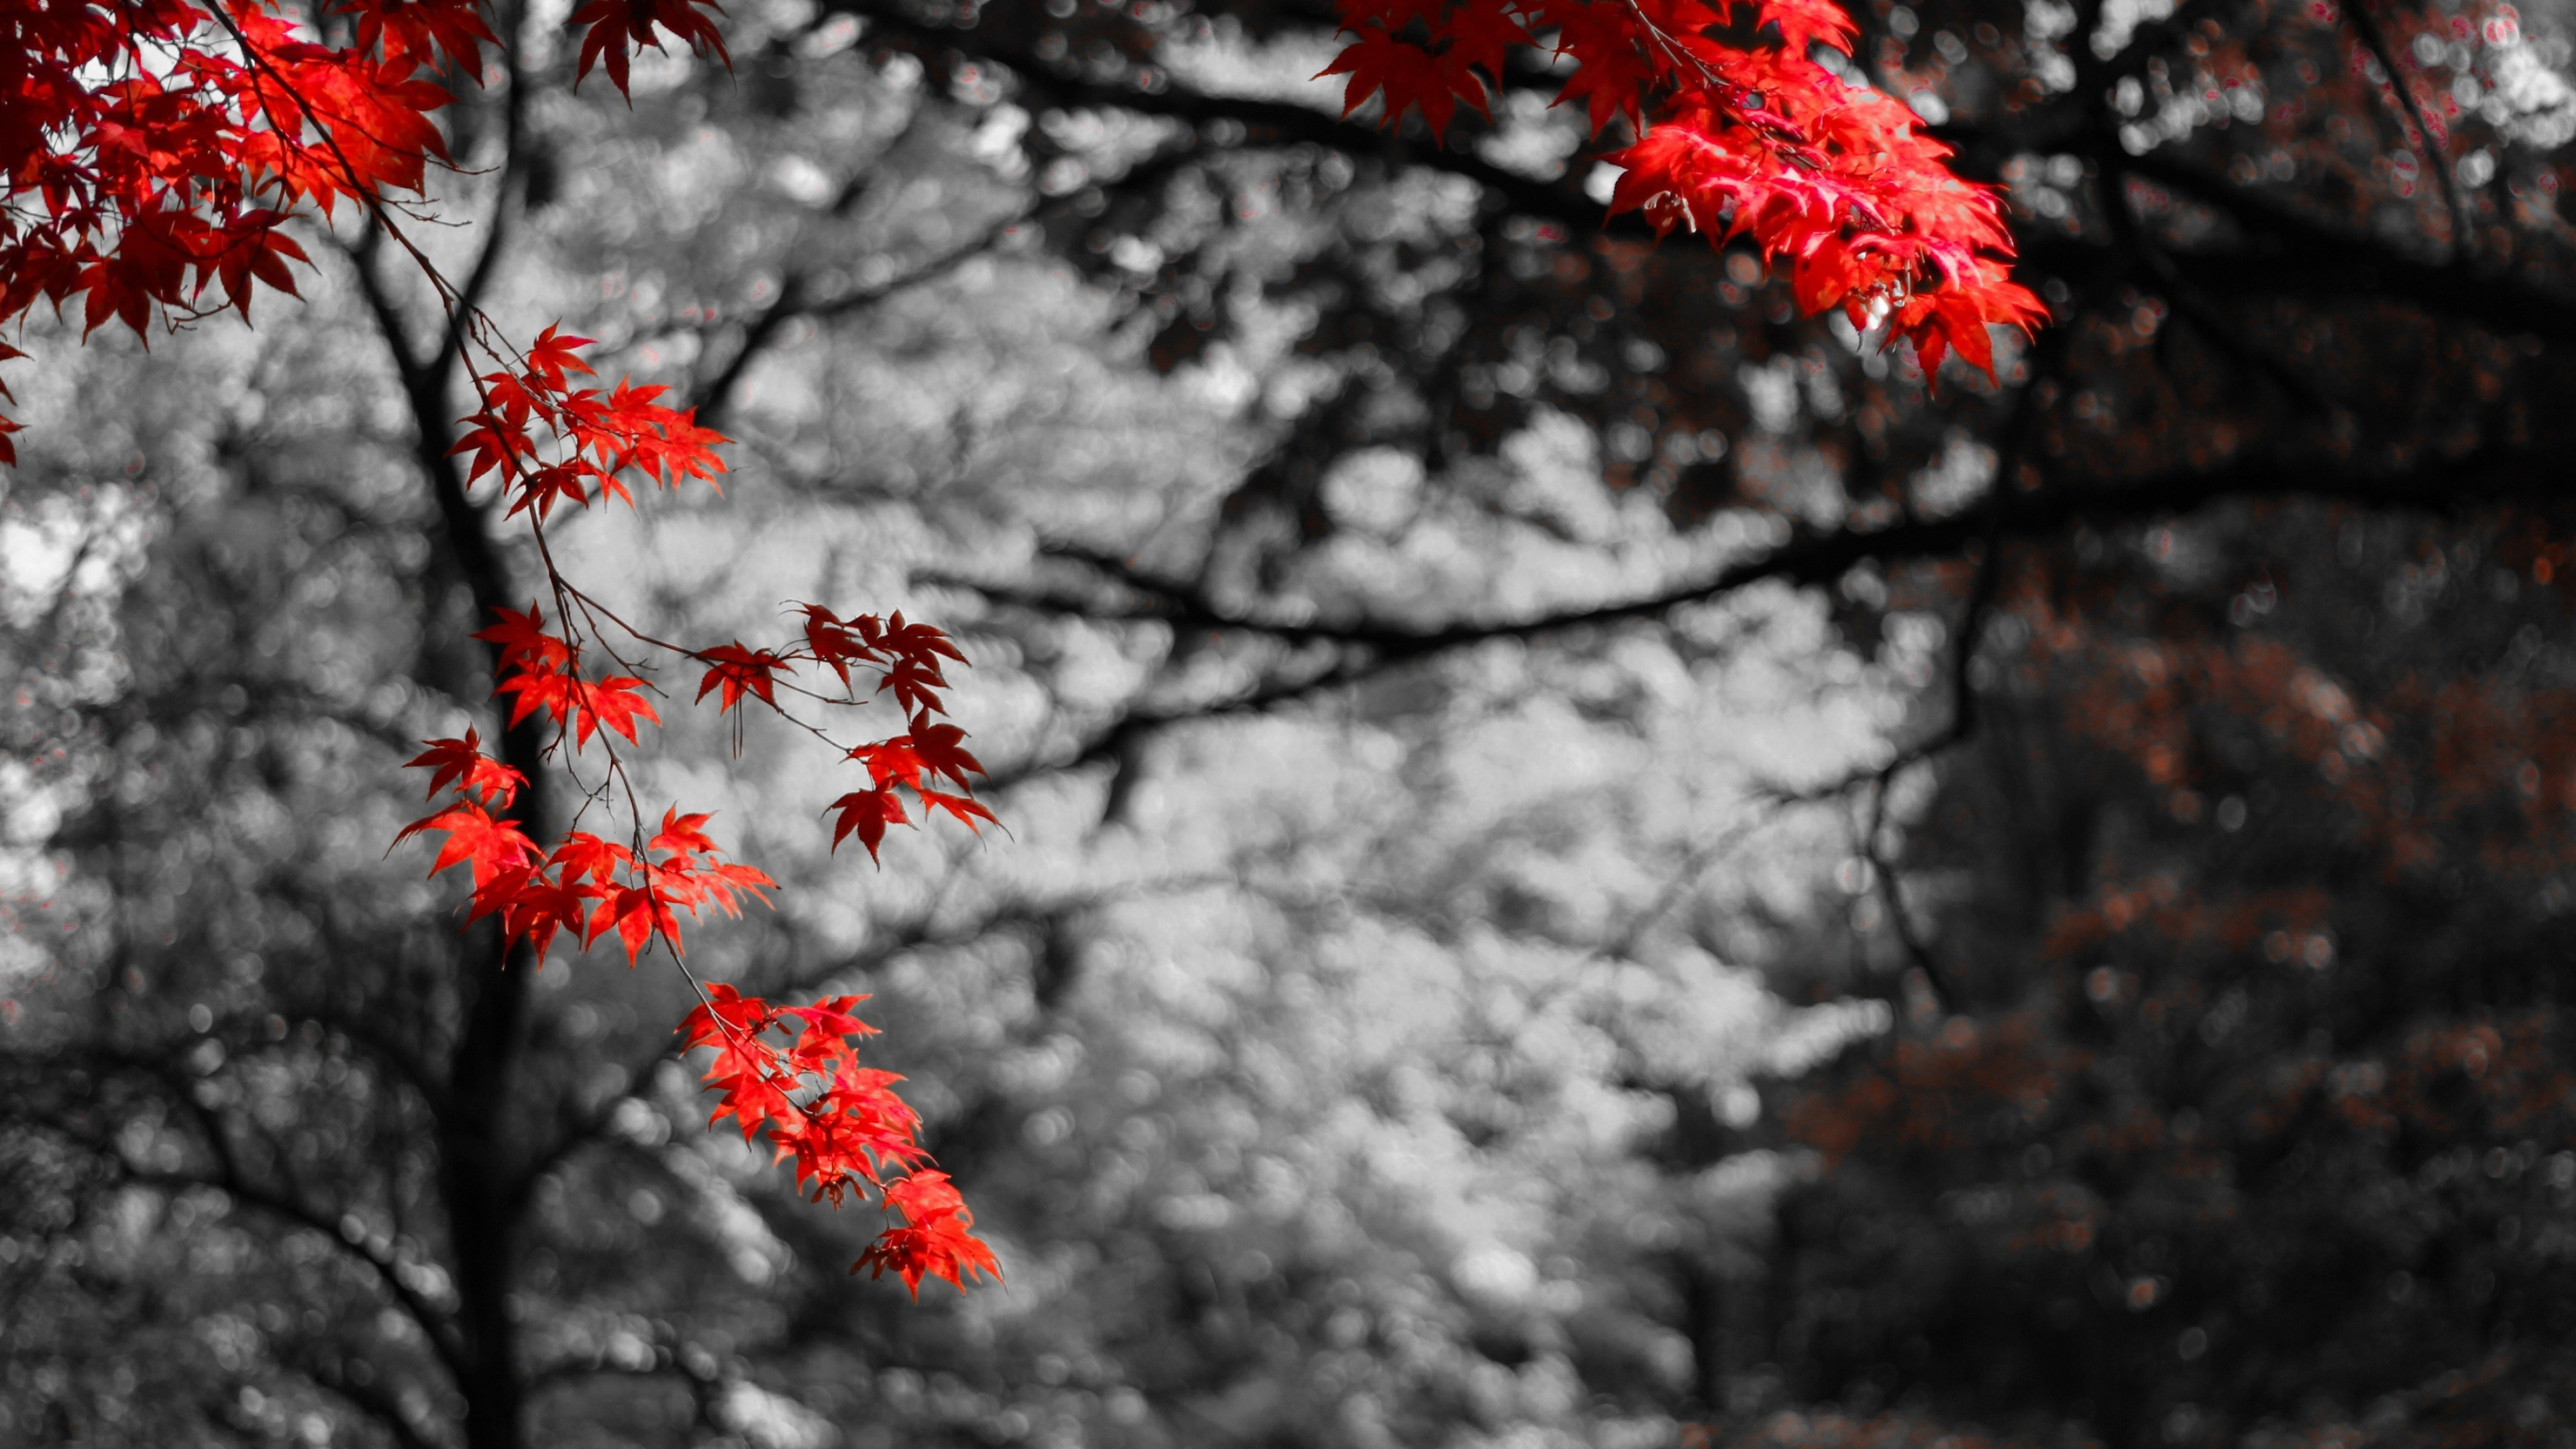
<point>155,148</point>
<point>1741,136</point>
<point>590,886</point>
<point>151,149</point>
<point>909,654</point>
<point>842,1124</point>
<point>597,436</point>
<point>584,885</point>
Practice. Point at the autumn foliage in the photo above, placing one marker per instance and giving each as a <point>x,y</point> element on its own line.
<point>158,153</point>
<point>1739,131</point>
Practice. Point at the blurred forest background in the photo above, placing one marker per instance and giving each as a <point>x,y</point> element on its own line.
<point>1591,862</point>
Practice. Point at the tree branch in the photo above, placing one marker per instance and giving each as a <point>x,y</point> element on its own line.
<point>2412,113</point>
<point>2296,255</point>
<point>435,1325</point>
<point>1822,557</point>
<point>1267,122</point>
<point>1365,650</point>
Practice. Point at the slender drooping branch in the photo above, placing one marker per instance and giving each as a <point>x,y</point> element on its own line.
<point>2420,130</point>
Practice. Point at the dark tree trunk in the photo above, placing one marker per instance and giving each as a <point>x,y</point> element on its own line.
<point>479,1163</point>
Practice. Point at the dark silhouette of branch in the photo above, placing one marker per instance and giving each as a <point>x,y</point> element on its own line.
<point>2145,251</point>
<point>716,393</point>
<point>493,976</point>
<point>1819,557</point>
<point>795,300</point>
<point>2294,255</point>
<point>1264,122</point>
<point>369,1400</point>
<point>496,233</point>
<point>2411,112</point>
<point>1360,651</point>
<point>433,1323</point>
<point>1882,870</point>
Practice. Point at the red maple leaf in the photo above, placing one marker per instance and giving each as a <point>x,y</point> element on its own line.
<point>476,775</point>
<point>614,24</point>
<point>682,833</point>
<point>738,670</point>
<point>638,913</point>
<point>1425,57</point>
<point>583,856</point>
<point>916,683</point>
<point>616,703</point>
<point>967,811</point>
<point>939,748</point>
<point>892,763</point>
<point>936,1239</point>
<point>832,641</point>
<point>524,642</point>
<point>733,1015</point>
<point>475,838</point>
<point>866,814</point>
<point>540,907</point>
<point>553,355</point>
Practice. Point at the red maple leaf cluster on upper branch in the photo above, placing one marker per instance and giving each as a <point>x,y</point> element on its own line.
<point>1743,136</point>
<point>153,149</point>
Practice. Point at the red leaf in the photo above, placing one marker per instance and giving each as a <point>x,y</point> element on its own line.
<point>542,488</point>
<point>1612,70</point>
<point>490,846</point>
<point>741,1015</point>
<point>1460,49</point>
<point>738,670</point>
<point>866,813</point>
<point>552,355</point>
<point>924,642</point>
<point>533,907</point>
<point>637,913</point>
<point>892,763</point>
<point>613,702</point>
<point>915,682</point>
<point>615,23</point>
<point>937,746</point>
<point>829,641</point>
<point>587,857</point>
<point>1811,22</point>
<point>937,1239</point>
<point>723,883</point>
<point>523,640</point>
<point>681,833</point>
<point>475,774</point>
<point>966,811</point>
<point>581,706</point>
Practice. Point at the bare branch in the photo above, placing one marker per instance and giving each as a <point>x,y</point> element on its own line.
<point>2439,485</point>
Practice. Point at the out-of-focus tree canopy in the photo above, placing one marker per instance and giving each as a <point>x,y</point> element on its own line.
<point>1590,862</point>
